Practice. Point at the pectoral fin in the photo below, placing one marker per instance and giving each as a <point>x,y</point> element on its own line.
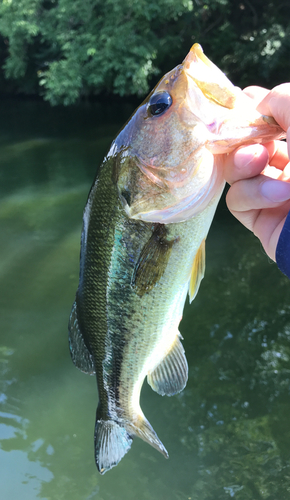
<point>171,375</point>
<point>153,261</point>
<point>197,271</point>
<point>80,354</point>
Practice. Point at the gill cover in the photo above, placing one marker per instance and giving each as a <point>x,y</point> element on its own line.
<point>168,153</point>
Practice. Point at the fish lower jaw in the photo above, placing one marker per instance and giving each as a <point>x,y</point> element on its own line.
<point>185,208</point>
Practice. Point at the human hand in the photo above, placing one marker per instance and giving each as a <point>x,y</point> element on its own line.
<point>259,175</point>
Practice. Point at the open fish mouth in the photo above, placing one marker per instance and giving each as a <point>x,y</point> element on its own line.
<point>215,117</point>
<point>227,113</point>
<point>213,83</point>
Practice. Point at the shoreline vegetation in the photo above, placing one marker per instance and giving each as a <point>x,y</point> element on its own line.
<point>66,52</point>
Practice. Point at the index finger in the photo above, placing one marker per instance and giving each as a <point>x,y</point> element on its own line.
<point>277,104</point>
<point>256,93</point>
<point>278,152</point>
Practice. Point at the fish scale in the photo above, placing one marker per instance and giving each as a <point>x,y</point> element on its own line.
<point>129,334</point>
<point>143,243</point>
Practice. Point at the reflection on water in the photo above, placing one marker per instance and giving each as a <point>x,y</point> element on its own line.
<point>227,433</point>
<point>20,477</point>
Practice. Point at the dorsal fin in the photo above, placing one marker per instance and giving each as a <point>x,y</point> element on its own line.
<point>170,376</point>
<point>80,354</point>
<point>197,271</point>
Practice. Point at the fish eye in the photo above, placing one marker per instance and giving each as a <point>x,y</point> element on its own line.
<point>159,103</point>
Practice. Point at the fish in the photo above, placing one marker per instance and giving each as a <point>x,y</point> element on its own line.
<point>143,242</point>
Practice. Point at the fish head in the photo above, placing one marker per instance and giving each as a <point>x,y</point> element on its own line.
<point>168,155</point>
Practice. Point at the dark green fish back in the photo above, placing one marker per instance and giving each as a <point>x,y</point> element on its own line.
<point>110,243</point>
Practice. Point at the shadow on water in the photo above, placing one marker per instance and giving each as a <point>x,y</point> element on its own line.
<point>227,433</point>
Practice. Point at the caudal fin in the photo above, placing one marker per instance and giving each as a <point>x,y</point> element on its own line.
<point>111,443</point>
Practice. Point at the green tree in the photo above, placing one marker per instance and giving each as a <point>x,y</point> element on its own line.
<point>87,46</point>
<point>65,50</point>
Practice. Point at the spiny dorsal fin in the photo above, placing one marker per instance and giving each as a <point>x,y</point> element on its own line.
<point>112,442</point>
<point>171,375</point>
<point>197,271</point>
<point>80,354</point>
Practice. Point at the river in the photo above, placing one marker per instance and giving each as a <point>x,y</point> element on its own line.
<point>227,433</point>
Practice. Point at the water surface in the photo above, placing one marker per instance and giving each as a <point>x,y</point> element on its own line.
<point>227,433</point>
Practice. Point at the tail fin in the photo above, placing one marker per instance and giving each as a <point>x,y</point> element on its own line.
<point>112,442</point>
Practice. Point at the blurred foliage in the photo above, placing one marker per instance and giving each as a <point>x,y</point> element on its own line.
<point>65,50</point>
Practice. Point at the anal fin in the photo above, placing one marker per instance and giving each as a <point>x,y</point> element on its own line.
<point>80,354</point>
<point>170,376</point>
<point>197,271</point>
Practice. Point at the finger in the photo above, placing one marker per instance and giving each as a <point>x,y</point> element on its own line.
<point>267,217</point>
<point>285,174</point>
<point>257,193</point>
<point>256,93</point>
<point>268,225</point>
<point>249,161</point>
<point>246,162</point>
<point>278,153</point>
<point>277,104</point>
<point>247,218</point>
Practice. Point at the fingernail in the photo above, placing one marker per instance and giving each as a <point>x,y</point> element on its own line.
<point>275,190</point>
<point>247,154</point>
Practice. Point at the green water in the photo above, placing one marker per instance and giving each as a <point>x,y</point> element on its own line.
<point>227,433</point>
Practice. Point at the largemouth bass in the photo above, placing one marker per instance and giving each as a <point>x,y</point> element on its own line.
<point>143,242</point>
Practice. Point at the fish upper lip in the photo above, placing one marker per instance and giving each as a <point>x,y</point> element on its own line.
<point>197,50</point>
<point>210,97</point>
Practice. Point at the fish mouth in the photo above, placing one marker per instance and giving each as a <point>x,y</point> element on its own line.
<point>216,117</point>
<point>213,83</point>
<point>211,93</point>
